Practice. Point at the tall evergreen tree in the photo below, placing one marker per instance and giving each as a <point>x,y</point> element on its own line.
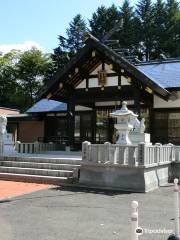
<point>103,20</point>
<point>75,33</point>
<point>128,33</point>
<point>144,12</point>
<point>172,43</point>
<point>159,28</point>
<point>72,43</point>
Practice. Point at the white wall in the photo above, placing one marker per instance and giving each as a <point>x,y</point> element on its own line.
<point>111,81</point>
<point>160,103</point>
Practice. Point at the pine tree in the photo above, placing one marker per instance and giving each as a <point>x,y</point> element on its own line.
<point>159,28</point>
<point>75,33</point>
<point>172,43</point>
<point>72,43</point>
<point>103,20</point>
<point>144,12</point>
<point>127,35</point>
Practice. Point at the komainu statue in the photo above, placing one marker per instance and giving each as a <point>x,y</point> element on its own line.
<point>3,124</point>
<point>138,126</point>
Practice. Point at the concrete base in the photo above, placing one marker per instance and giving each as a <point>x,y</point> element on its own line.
<point>136,137</point>
<point>125,178</point>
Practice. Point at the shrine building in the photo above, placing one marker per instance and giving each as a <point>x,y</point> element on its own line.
<point>77,102</point>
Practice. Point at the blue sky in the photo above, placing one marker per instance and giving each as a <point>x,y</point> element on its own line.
<point>41,21</point>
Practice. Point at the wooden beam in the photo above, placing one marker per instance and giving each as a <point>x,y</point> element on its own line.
<point>137,101</point>
<point>71,121</point>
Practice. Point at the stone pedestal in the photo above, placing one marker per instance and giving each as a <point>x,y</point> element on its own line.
<point>136,137</point>
<point>8,144</point>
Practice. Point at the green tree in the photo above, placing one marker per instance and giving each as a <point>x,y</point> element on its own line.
<point>103,20</point>
<point>31,71</point>
<point>72,43</point>
<point>128,33</point>
<point>144,13</point>
<point>159,28</point>
<point>75,33</point>
<point>8,86</point>
<point>172,43</point>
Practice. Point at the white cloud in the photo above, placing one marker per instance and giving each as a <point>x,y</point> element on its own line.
<point>27,45</point>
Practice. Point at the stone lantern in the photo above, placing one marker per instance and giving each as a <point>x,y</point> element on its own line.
<point>123,126</point>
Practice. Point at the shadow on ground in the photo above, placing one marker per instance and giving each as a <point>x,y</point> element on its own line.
<point>81,190</point>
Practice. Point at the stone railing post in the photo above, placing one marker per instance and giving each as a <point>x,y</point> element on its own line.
<point>1,148</point>
<point>17,146</point>
<point>85,151</point>
<point>158,152</point>
<point>141,153</point>
<point>36,147</point>
<point>107,151</point>
<point>116,154</point>
<point>132,156</point>
<point>172,155</point>
<point>21,147</point>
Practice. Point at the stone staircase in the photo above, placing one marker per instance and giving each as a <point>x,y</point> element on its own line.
<point>48,170</point>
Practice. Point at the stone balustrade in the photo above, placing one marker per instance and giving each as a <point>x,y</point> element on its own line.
<point>37,147</point>
<point>133,155</point>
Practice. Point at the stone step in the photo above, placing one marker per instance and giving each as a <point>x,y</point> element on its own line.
<point>36,178</point>
<point>37,165</point>
<point>35,171</point>
<point>64,160</point>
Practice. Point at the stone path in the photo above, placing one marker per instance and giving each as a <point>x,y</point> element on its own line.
<point>74,213</point>
<point>51,154</point>
<point>9,189</point>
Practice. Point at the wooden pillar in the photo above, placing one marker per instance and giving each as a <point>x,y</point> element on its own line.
<point>151,118</point>
<point>71,122</point>
<point>137,101</point>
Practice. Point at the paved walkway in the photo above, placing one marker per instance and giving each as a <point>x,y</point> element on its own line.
<point>52,154</point>
<point>9,189</point>
<point>74,213</point>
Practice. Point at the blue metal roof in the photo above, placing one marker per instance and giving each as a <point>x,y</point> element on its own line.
<point>166,74</point>
<point>46,105</point>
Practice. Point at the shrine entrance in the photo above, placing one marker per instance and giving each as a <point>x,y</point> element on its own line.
<point>83,127</point>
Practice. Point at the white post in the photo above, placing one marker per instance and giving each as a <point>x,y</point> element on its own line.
<point>176,206</point>
<point>134,220</point>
